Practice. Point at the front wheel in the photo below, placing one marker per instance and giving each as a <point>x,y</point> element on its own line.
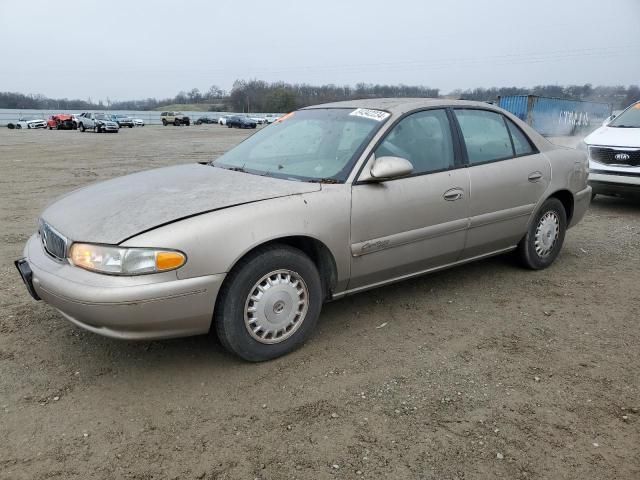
<point>82,127</point>
<point>269,304</point>
<point>164,122</point>
<point>545,236</point>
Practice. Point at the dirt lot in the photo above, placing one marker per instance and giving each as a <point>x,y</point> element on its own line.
<point>484,371</point>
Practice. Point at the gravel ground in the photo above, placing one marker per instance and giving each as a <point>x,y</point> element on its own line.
<point>483,371</point>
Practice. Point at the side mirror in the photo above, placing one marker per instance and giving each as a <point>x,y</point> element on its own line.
<point>387,168</point>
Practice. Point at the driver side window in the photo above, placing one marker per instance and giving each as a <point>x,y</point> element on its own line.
<point>423,138</point>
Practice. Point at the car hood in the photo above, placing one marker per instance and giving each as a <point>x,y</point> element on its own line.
<point>115,210</point>
<point>614,137</point>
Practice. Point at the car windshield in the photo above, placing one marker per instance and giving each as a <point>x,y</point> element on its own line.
<point>630,118</point>
<point>314,145</point>
<point>101,116</point>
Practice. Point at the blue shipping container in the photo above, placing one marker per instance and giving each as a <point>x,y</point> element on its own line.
<point>556,116</point>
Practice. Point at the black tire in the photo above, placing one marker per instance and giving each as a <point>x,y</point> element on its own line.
<point>229,315</point>
<point>81,126</point>
<point>18,126</point>
<point>164,122</point>
<point>130,126</point>
<point>97,128</point>
<point>176,122</point>
<point>529,255</point>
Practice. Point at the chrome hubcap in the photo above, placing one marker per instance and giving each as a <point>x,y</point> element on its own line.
<point>276,306</point>
<point>547,234</point>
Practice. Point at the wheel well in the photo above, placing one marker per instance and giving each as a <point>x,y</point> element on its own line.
<point>566,197</point>
<point>319,254</point>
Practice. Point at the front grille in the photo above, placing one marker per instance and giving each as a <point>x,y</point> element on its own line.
<point>614,156</point>
<point>54,243</point>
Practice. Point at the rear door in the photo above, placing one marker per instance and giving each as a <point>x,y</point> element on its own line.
<point>409,225</point>
<point>507,178</point>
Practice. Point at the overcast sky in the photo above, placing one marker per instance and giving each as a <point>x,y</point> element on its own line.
<point>126,49</point>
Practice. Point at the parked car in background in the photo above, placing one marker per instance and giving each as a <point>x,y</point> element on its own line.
<point>332,200</point>
<point>98,122</point>
<point>270,118</point>
<point>174,118</point>
<point>240,121</point>
<point>223,119</point>
<point>27,124</point>
<point>207,120</point>
<point>614,155</point>
<point>61,121</point>
<point>259,120</point>
<point>122,120</point>
<point>138,122</point>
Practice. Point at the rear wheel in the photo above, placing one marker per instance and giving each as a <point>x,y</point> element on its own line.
<point>269,303</point>
<point>543,241</point>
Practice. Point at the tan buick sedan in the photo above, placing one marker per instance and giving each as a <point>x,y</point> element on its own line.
<point>327,201</point>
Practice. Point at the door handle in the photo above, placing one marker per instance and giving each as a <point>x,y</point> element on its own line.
<point>535,176</point>
<point>453,194</point>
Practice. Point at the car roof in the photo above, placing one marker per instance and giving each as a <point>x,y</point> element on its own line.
<point>402,105</point>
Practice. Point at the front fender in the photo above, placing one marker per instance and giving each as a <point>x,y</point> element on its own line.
<point>215,241</point>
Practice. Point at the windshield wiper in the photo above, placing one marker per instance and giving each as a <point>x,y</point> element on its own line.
<point>323,180</point>
<point>233,169</point>
<point>625,126</point>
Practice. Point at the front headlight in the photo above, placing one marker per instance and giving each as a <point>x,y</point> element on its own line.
<point>124,261</point>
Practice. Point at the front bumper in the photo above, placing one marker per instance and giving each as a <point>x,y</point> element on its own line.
<point>614,183</point>
<point>143,307</point>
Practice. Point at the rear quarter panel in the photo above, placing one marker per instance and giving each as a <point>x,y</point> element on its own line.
<point>570,171</point>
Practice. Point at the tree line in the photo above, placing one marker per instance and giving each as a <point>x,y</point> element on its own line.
<point>261,96</point>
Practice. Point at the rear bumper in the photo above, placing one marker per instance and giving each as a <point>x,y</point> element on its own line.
<point>133,308</point>
<point>581,203</point>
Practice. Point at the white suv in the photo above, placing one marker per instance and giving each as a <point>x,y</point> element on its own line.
<point>614,155</point>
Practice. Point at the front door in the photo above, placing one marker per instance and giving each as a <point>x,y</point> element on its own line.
<point>409,225</point>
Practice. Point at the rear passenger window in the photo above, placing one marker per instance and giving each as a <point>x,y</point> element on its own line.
<point>520,141</point>
<point>485,135</point>
<point>423,138</point>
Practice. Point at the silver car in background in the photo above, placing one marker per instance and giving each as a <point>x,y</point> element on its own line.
<point>328,201</point>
